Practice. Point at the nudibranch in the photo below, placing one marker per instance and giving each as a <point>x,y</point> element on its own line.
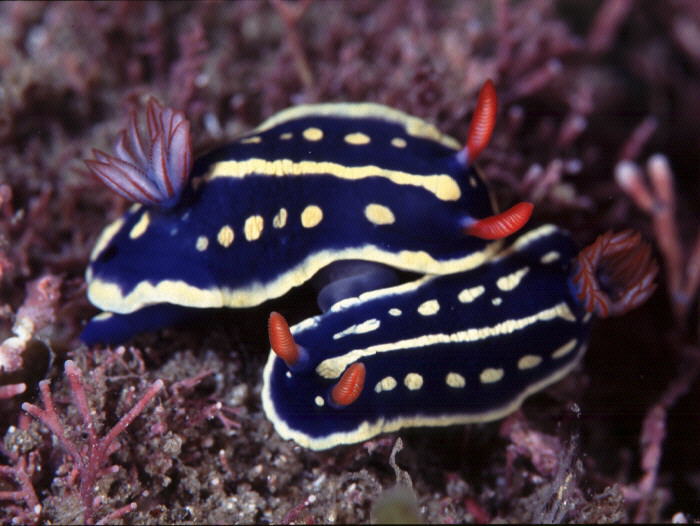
<point>450,349</point>
<point>315,187</point>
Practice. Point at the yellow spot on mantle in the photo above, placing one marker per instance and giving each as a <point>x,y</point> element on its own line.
<point>225,236</point>
<point>140,227</point>
<point>398,142</point>
<point>490,375</point>
<point>251,140</point>
<point>550,257</point>
<point>395,312</point>
<point>428,308</point>
<point>379,214</point>
<point>357,138</point>
<point>455,380</point>
<point>359,328</point>
<point>202,243</point>
<point>511,281</point>
<point>311,216</point>
<point>469,295</point>
<point>286,136</point>
<point>413,381</point>
<point>313,134</point>
<point>253,227</point>
<point>529,361</point>
<point>280,219</point>
<point>385,384</point>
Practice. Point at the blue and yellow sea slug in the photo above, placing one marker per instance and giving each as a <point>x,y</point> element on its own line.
<point>352,189</point>
<point>451,349</point>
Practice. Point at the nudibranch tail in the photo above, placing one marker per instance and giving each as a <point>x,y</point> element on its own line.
<point>154,170</point>
<point>282,342</point>
<point>500,225</point>
<point>349,387</point>
<point>615,274</point>
<point>483,121</point>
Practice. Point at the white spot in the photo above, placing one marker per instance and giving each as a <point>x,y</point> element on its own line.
<point>428,308</point>
<point>253,227</point>
<point>509,282</point>
<point>379,214</point>
<point>360,328</point>
<point>311,216</point>
<point>288,374</point>
<point>280,219</point>
<point>565,349</point>
<point>398,142</point>
<point>357,138</point>
<point>103,316</point>
<point>497,301</point>
<point>225,236</point>
<point>550,257</point>
<point>472,182</point>
<point>251,140</point>
<point>413,381</point>
<point>469,295</point>
<point>455,380</point>
<point>286,136</point>
<point>385,384</point>
<point>529,361</point>
<point>395,312</point>
<point>319,401</point>
<point>344,304</point>
<point>490,375</point>
<point>202,243</point>
<point>313,134</point>
<point>140,227</point>
<point>587,317</point>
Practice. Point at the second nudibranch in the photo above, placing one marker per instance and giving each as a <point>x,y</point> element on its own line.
<point>312,186</point>
<point>443,350</point>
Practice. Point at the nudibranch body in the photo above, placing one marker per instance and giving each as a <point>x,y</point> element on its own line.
<point>443,350</point>
<point>312,186</point>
